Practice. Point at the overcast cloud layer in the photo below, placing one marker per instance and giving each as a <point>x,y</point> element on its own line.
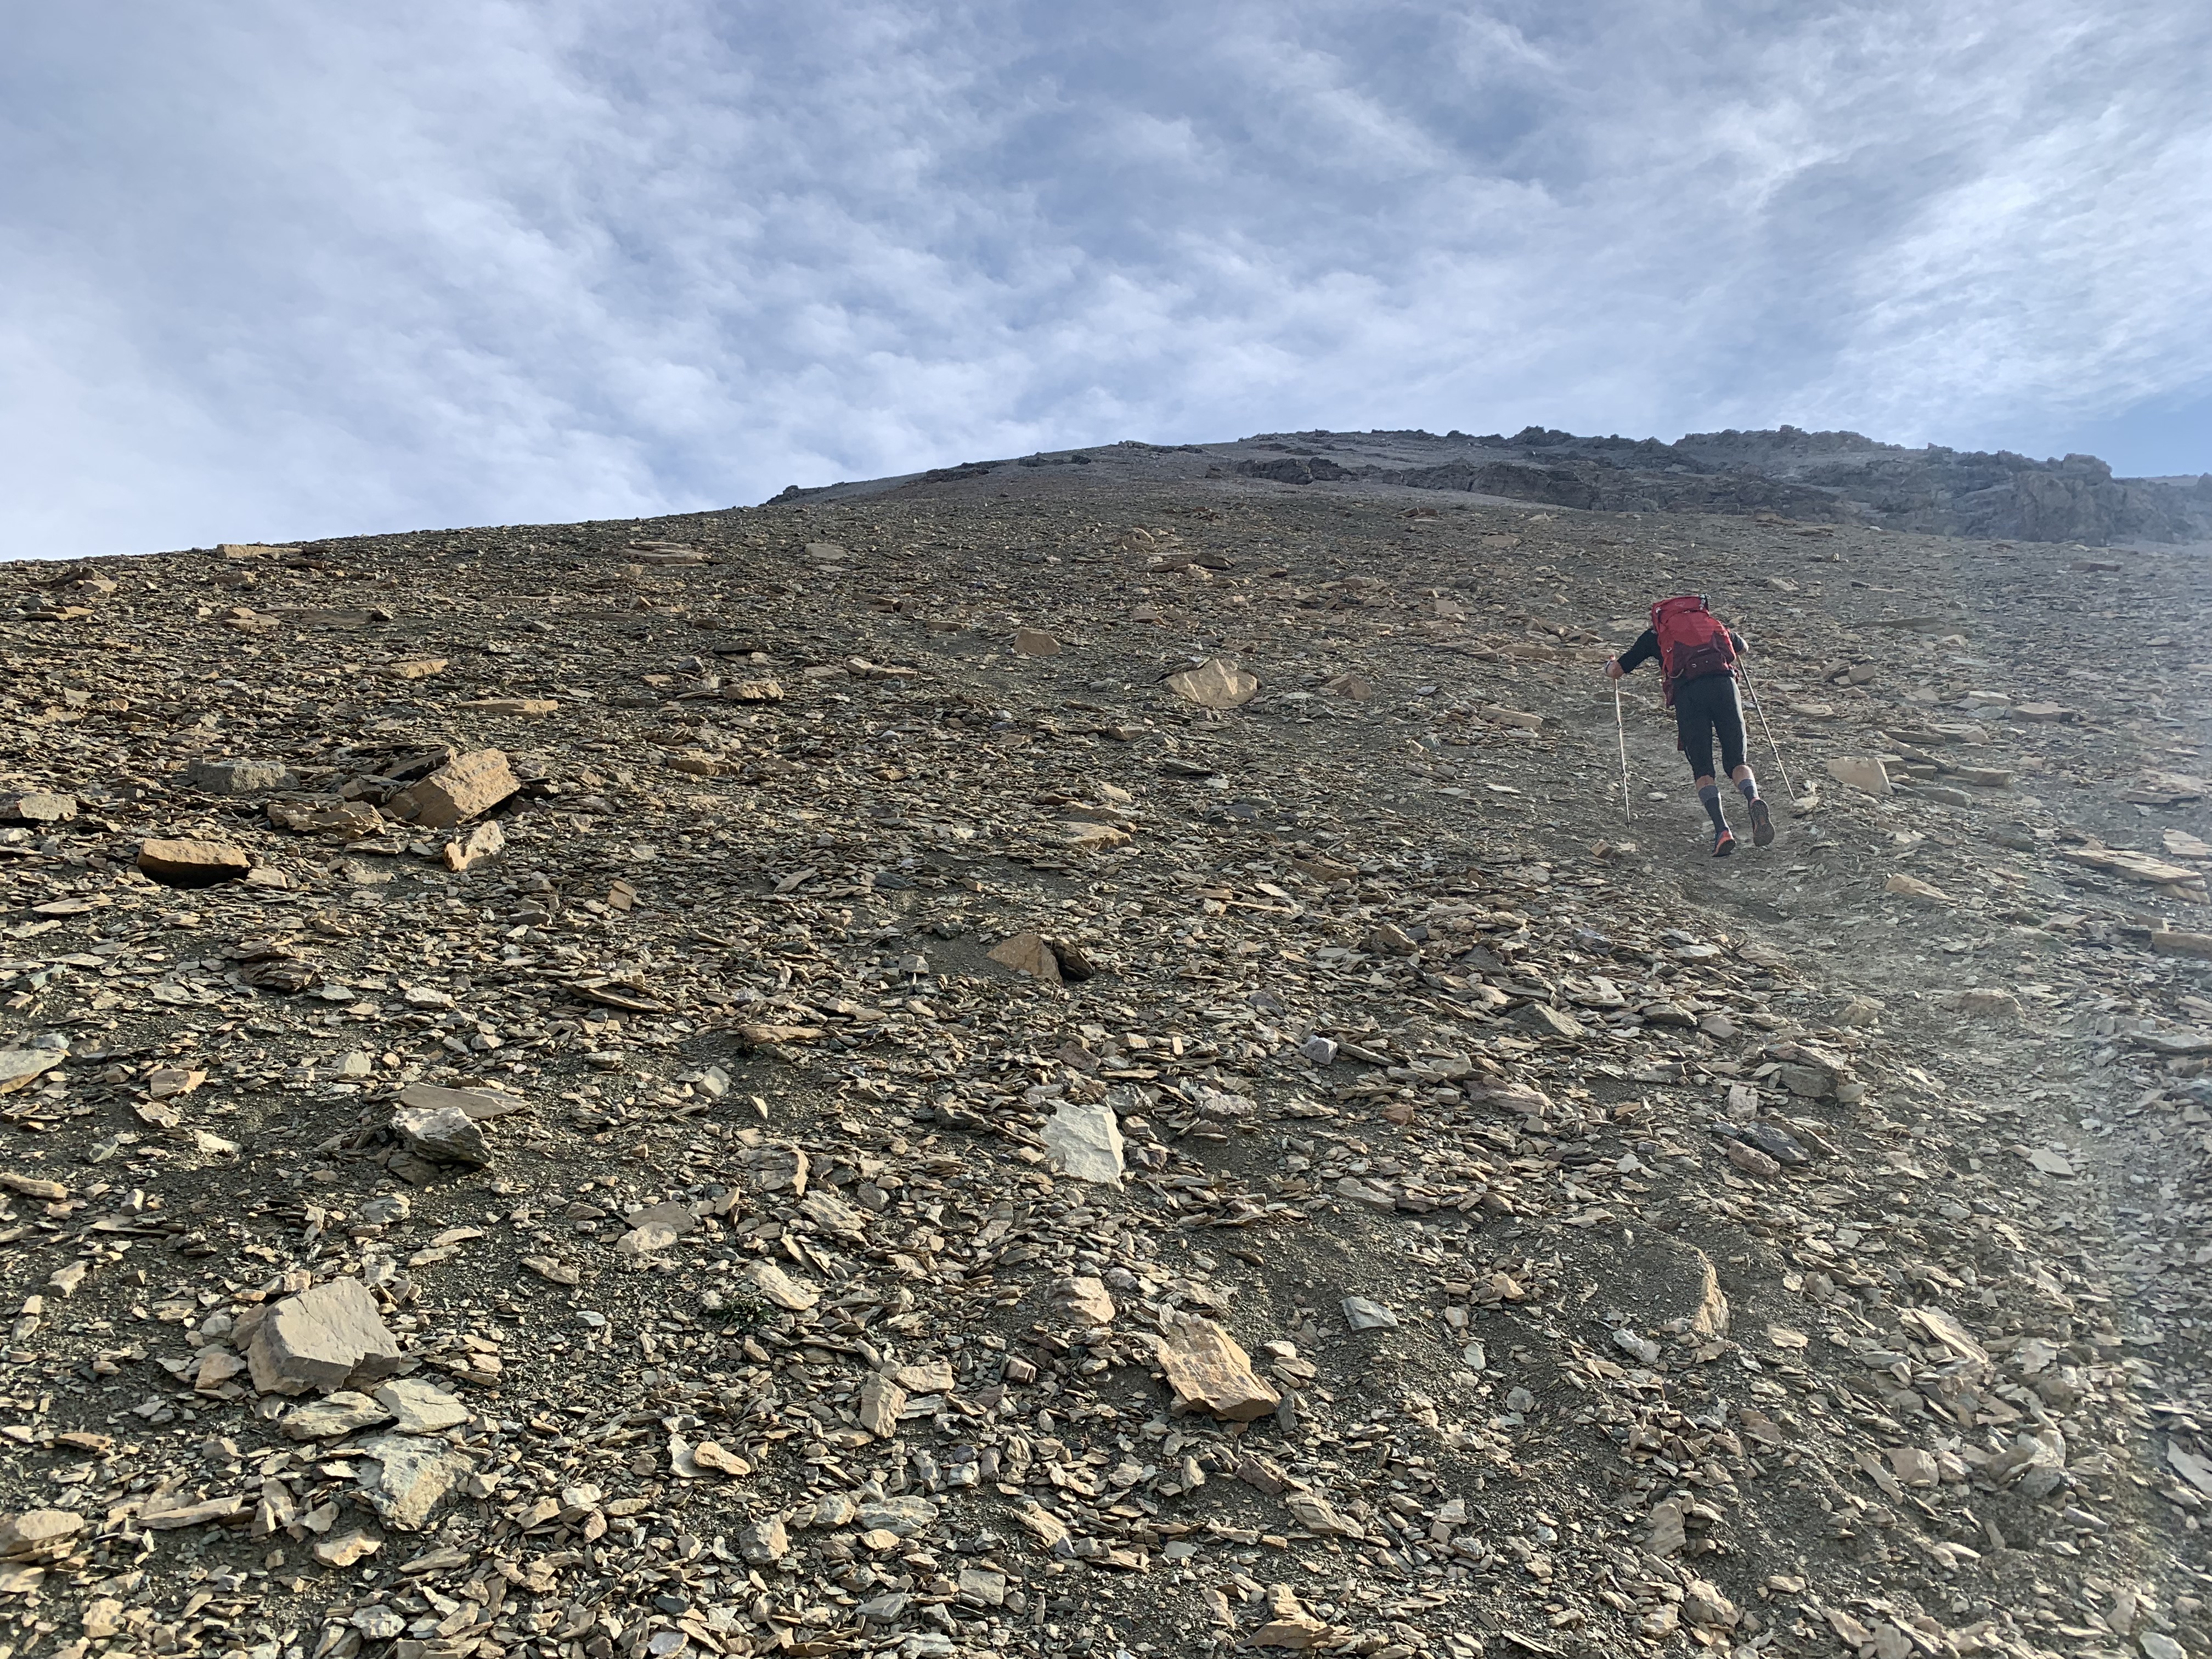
<point>274,269</point>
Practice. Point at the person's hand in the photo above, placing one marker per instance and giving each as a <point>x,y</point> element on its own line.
<point>1613,668</point>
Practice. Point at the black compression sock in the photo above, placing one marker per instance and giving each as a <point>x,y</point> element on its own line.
<point>1710,795</point>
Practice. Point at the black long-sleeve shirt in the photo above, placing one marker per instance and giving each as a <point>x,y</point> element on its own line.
<point>1646,649</point>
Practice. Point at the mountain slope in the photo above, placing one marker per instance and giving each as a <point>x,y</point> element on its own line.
<point>1529,1235</point>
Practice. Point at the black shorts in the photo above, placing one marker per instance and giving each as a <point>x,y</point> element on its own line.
<point>1702,707</point>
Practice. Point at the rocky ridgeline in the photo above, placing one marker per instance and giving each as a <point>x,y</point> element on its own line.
<point>1076,1059</point>
<point>1821,476</point>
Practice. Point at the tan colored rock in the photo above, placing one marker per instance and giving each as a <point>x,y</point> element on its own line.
<point>699,763</point>
<point>925,1376</point>
<point>1296,1634</point>
<point>880,1402</point>
<point>328,1337</point>
<point>22,1067</point>
<point>37,807</point>
<point>1750,1159</point>
<point>349,820</point>
<point>1912,888</point>
<point>1207,1372</point>
<point>38,1534</point>
<point>416,668</point>
<point>1992,1003</point>
<point>781,1288</point>
<point>1498,715</point>
<point>1215,683</point>
<point>484,841</point>
<point>1080,837</point>
<point>192,863</point>
<point>1028,953</point>
<point>529,706</point>
<point>1086,1300</point>
<point>206,1511</point>
<point>347,1549</point>
<point>1864,773</point>
<point>712,1455</point>
<point>1034,642</point>
<point>1315,1514</point>
<point>1703,1606</point>
<point>463,788</point>
<point>2166,943</point>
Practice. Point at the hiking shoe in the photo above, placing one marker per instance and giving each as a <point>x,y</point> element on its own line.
<point>1762,822</point>
<point>1723,844</point>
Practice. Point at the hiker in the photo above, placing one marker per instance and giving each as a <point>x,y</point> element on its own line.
<point>1697,663</point>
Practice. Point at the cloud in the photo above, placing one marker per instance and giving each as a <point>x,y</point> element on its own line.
<point>283,271</point>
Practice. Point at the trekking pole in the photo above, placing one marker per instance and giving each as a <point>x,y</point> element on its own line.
<point>1764,727</point>
<point>1620,731</point>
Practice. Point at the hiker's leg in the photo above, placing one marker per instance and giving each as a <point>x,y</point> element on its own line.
<point>1727,717</point>
<point>1709,797</point>
<point>1728,720</point>
<point>1694,727</point>
<point>1694,721</point>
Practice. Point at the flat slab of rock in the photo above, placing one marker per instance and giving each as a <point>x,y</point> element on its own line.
<point>781,1288</point>
<point>37,1532</point>
<point>340,1414</point>
<point>480,1104</point>
<point>1086,1300</point>
<point>37,807</point>
<point>419,1407</point>
<point>1215,683</point>
<point>463,788</point>
<point>1083,1139</point>
<point>238,777</point>
<point>1028,953</point>
<point>1912,888</point>
<point>1864,773</point>
<point>905,1516</point>
<point>408,1475</point>
<point>1542,1018</point>
<point>1364,1314</point>
<point>483,840</point>
<point>328,1337</point>
<point>192,863</point>
<point>20,1067</point>
<point>1207,1372</point>
<point>443,1134</point>
<point>880,1402</point>
<point>656,1227</point>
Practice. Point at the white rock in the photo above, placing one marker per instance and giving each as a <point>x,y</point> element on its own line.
<point>1083,1139</point>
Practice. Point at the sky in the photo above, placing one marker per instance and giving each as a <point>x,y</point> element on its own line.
<point>284,268</point>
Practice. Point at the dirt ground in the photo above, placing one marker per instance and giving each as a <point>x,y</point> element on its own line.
<point>1616,1249</point>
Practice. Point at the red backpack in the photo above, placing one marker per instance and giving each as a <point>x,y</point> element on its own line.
<point>1692,643</point>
